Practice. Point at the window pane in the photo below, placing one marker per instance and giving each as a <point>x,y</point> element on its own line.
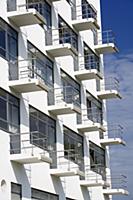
<point>2,42</point>
<point>3,109</point>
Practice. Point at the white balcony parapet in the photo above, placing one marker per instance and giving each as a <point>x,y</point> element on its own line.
<point>67,164</point>
<point>25,148</point>
<point>66,101</point>
<point>105,42</point>
<point>91,121</point>
<point>113,136</point>
<point>58,44</point>
<point>109,89</point>
<point>25,15</point>
<point>117,185</point>
<point>27,76</point>
<point>85,17</point>
<point>87,70</point>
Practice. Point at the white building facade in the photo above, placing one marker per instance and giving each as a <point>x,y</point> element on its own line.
<point>54,137</point>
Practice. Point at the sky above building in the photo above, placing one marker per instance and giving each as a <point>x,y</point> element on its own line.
<point>117,15</point>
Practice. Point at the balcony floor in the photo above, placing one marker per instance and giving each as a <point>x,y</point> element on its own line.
<point>63,108</point>
<point>90,127</point>
<point>105,48</point>
<point>63,172</point>
<point>85,24</point>
<point>115,192</point>
<point>108,94</point>
<point>112,141</point>
<point>88,74</point>
<point>57,50</point>
<point>92,183</point>
<point>27,85</point>
<point>29,159</point>
<point>25,18</point>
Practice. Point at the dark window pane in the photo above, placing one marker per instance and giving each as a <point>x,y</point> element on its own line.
<point>2,42</point>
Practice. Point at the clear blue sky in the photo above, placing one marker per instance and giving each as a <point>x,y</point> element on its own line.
<point>117,15</point>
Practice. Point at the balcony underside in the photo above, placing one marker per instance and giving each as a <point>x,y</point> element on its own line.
<point>112,141</point>
<point>85,24</point>
<point>58,50</point>
<point>108,94</point>
<point>25,18</point>
<point>90,127</point>
<point>29,159</point>
<point>63,172</point>
<point>105,48</point>
<point>115,192</point>
<point>63,108</point>
<point>87,74</point>
<point>92,183</point>
<point>27,85</point>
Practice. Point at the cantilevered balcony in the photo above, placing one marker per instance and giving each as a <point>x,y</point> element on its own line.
<point>87,69</point>
<point>68,164</point>
<point>117,185</point>
<point>91,121</point>
<point>113,136</point>
<point>92,179</point>
<point>60,42</point>
<point>27,75</point>
<point>29,148</point>
<point>66,101</point>
<point>109,89</point>
<point>105,42</point>
<point>27,14</point>
<point>85,17</point>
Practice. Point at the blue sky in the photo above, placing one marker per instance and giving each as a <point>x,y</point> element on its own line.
<point>117,15</point>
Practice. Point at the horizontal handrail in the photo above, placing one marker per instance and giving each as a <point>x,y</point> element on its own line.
<point>110,83</point>
<point>30,68</point>
<point>66,94</point>
<point>105,37</point>
<point>92,114</point>
<point>85,10</point>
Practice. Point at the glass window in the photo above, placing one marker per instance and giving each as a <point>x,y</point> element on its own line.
<point>87,10</point>
<point>2,42</point>
<point>11,5</point>
<point>42,130</point>
<point>73,146</point>
<point>43,8</point>
<point>92,61</point>
<point>94,109</point>
<point>8,41</point>
<point>9,115</point>
<point>42,195</point>
<point>97,158</point>
<point>71,89</point>
<point>66,34</point>
<point>16,193</point>
<point>41,66</point>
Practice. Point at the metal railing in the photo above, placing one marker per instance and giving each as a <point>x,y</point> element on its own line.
<point>66,94</point>
<point>93,114</point>
<point>68,160</point>
<point>113,131</point>
<point>28,69</point>
<point>110,83</point>
<point>95,173</point>
<point>117,181</point>
<point>104,37</point>
<point>88,62</point>
<point>28,143</point>
<point>84,11</point>
<point>61,36</point>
